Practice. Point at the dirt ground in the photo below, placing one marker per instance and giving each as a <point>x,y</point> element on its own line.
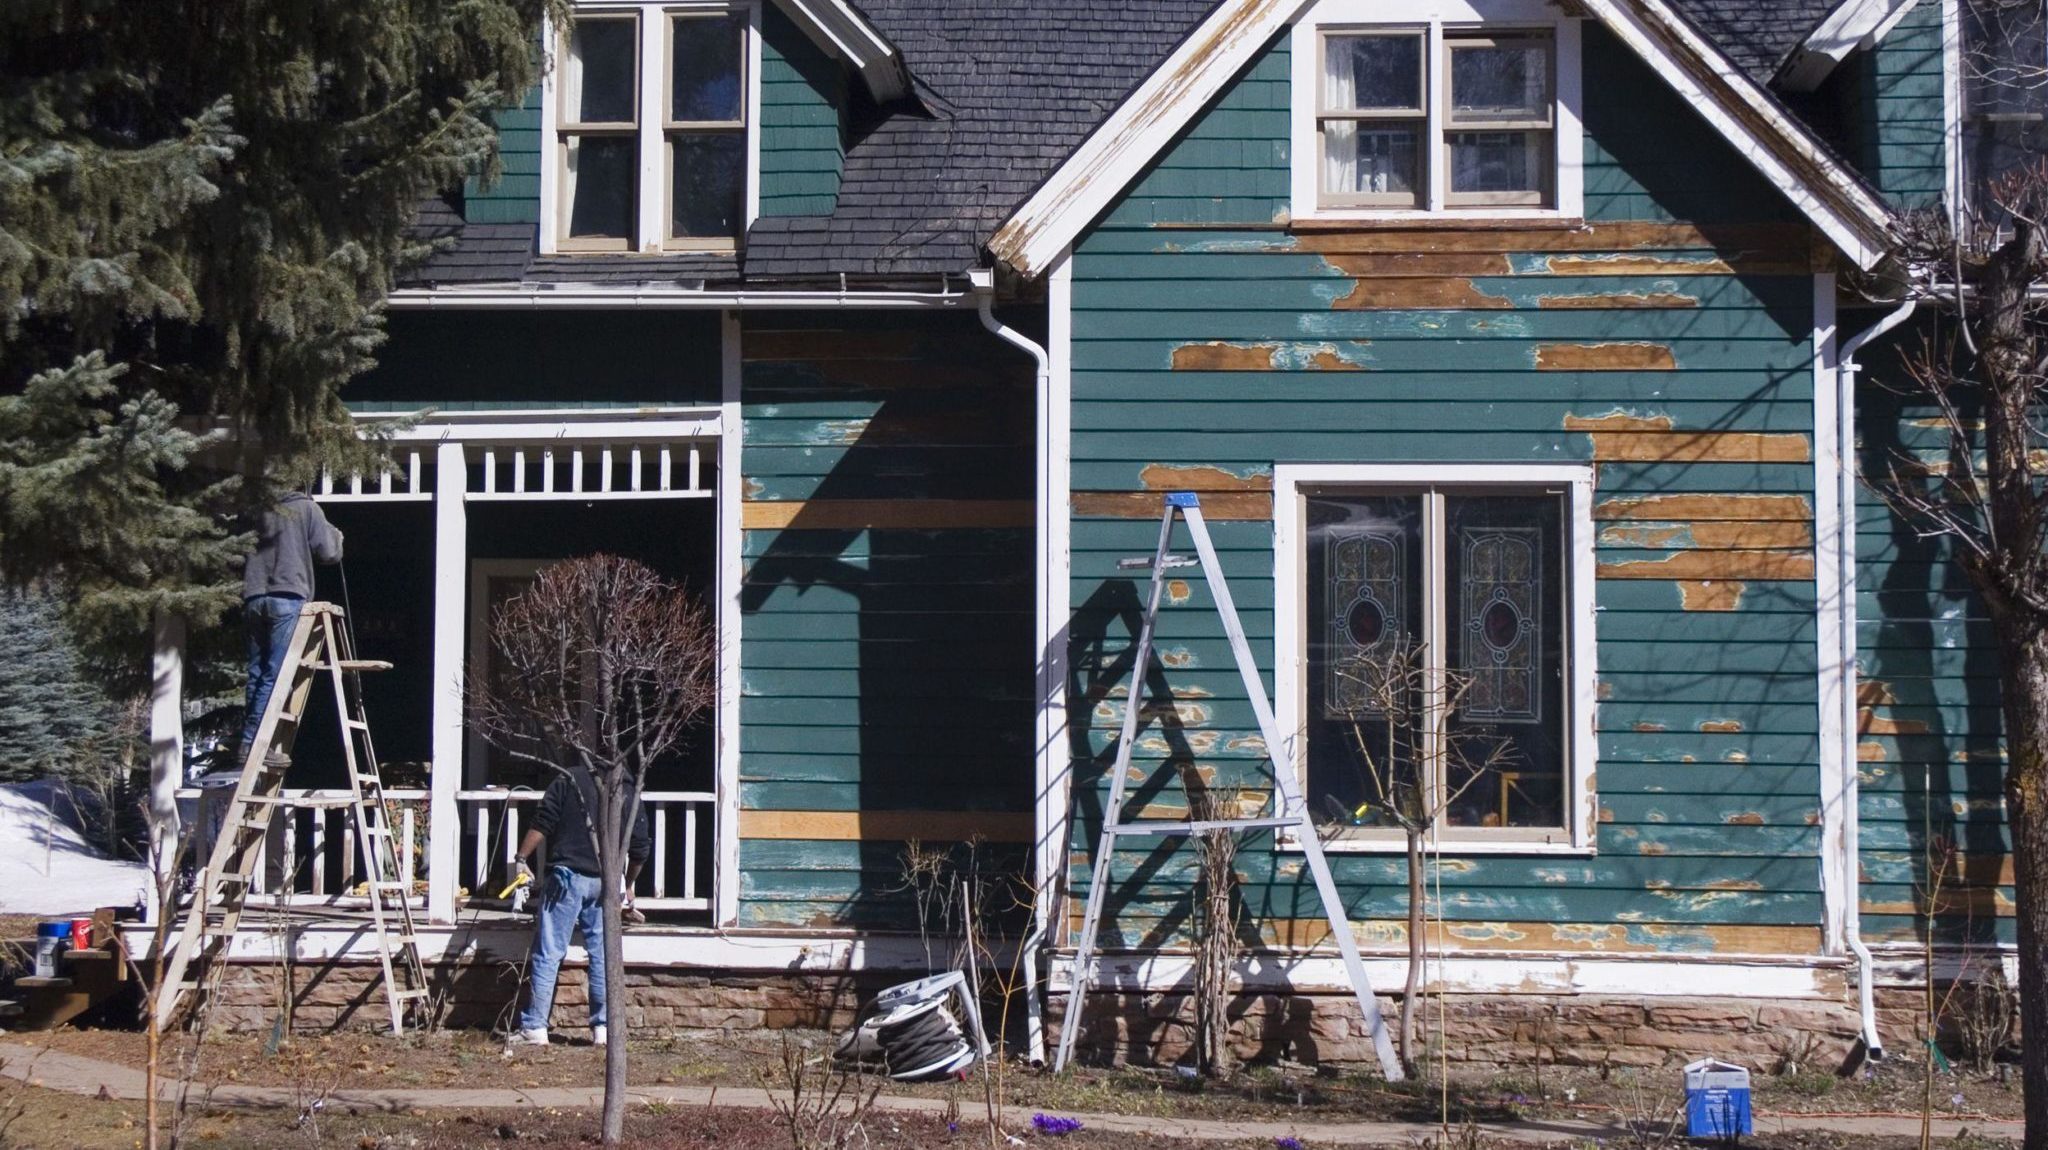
<point>474,1058</point>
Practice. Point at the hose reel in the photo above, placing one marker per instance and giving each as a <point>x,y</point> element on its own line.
<point>914,1036</point>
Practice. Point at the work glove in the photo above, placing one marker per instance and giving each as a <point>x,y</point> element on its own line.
<point>521,871</point>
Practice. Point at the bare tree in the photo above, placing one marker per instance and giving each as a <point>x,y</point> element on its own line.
<point>605,667</point>
<point>1413,775</point>
<point>1985,369</point>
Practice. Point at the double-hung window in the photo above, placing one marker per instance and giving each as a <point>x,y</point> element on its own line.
<point>650,128</point>
<point>1434,657</point>
<point>1433,116</point>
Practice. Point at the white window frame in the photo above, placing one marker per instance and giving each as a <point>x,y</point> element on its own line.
<point>1433,19</point>
<point>1292,483</point>
<point>652,129</point>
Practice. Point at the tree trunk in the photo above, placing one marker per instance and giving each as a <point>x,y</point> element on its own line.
<point>1417,948</point>
<point>616,833</point>
<point>2025,683</point>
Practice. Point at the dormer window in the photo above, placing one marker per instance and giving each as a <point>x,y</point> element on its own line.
<point>649,107</point>
<point>1446,113</point>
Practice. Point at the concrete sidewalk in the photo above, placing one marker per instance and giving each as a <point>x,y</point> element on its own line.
<point>74,1074</point>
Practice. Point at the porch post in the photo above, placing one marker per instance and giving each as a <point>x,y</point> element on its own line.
<point>166,738</point>
<point>451,551</point>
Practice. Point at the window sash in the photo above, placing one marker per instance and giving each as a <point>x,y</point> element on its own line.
<point>675,22</point>
<point>1436,627</point>
<point>1437,122</point>
<point>673,129</point>
<point>563,122</point>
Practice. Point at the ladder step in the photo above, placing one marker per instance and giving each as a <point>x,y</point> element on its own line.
<point>365,665</point>
<point>355,724</point>
<point>1198,826</point>
<point>1144,562</point>
<point>416,992</point>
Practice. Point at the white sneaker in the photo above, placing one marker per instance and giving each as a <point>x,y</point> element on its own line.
<point>535,1037</point>
<point>598,1036</point>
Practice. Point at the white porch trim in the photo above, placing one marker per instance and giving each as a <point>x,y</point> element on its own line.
<point>451,580</point>
<point>1054,782</point>
<point>725,887</point>
<point>1831,521</point>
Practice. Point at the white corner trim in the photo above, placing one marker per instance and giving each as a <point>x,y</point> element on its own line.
<point>1290,630</point>
<point>752,114</point>
<point>1853,26</point>
<point>1952,108</point>
<point>1148,121</point>
<point>550,143</point>
<point>1831,522</point>
<point>725,883</point>
<point>1304,185</point>
<point>846,35</point>
<point>1054,782</point>
<point>1137,131</point>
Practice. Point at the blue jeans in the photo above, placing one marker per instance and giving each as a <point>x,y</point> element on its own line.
<point>270,620</point>
<point>571,900</point>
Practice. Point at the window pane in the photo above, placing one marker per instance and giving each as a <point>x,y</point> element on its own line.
<point>1504,741</point>
<point>598,85</point>
<point>707,171</point>
<point>597,186</point>
<point>1506,81</point>
<point>704,68</point>
<point>1369,159</point>
<point>1364,576</point>
<point>1372,72</point>
<point>1499,161</point>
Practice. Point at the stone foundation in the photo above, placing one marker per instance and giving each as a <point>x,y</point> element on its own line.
<point>1480,1030</point>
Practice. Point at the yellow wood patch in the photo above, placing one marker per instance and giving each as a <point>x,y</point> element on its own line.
<point>888,826</point>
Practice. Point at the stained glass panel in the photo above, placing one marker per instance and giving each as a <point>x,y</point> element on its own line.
<point>1365,569</point>
<point>1500,589</point>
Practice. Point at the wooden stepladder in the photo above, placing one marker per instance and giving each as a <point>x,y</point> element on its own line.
<point>320,643</point>
<point>1290,812</point>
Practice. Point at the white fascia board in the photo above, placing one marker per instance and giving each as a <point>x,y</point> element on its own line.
<point>1141,127</point>
<point>573,297</point>
<point>1851,27</point>
<point>841,30</point>
<point>1110,160</point>
<point>1853,219</point>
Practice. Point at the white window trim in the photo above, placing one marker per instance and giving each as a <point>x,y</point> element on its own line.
<point>1457,15</point>
<point>651,200</point>
<point>1290,629</point>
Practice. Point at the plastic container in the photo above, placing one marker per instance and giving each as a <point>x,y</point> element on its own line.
<point>1716,1099</point>
<point>51,937</point>
<point>81,934</point>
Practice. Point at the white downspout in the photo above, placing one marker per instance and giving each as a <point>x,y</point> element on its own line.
<point>1845,598</point>
<point>982,281</point>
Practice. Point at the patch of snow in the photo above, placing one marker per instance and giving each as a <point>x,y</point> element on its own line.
<point>47,866</point>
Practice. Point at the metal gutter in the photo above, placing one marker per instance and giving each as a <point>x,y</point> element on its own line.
<point>982,281</point>
<point>1845,597</point>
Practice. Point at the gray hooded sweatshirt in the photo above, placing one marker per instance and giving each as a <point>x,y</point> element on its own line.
<point>292,536</point>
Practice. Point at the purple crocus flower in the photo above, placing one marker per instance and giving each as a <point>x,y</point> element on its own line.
<point>1053,1126</point>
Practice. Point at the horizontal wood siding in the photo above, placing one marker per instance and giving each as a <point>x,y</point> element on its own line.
<point>1930,746</point>
<point>1669,342</point>
<point>497,360</point>
<point>802,92</point>
<point>1903,122</point>
<point>886,655</point>
<point>515,197</point>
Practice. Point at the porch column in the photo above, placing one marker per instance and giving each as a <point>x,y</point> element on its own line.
<point>451,582</point>
<point>166,739</point>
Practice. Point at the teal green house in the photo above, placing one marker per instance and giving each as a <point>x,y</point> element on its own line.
<point>1508,347</point>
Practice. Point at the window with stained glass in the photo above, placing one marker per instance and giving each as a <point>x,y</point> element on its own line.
<point>1436,653</point>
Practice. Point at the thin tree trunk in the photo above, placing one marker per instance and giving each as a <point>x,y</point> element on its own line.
<point>1417,942</point>
<point>2025,683</point>
<point>617,832</point>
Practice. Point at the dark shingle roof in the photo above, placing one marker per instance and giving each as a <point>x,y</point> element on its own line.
<point>1011,89</point>
<point>1756,35</point>
<point>1008,88</point>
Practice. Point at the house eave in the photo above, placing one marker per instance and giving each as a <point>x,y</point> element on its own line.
<point>1851,27</point>
<point>835,25</point>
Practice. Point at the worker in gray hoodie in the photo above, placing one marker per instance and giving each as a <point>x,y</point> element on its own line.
<point>276,582</point>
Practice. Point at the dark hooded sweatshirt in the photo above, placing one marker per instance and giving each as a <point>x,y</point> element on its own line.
<point>562,821</point>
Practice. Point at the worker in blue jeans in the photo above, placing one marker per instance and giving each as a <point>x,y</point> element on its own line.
<point>276,582</point>
<point>571,900</point>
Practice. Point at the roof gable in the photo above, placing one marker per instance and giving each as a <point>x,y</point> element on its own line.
<point>1109,160</point>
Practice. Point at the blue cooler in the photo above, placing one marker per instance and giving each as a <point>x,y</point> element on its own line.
<point>1716,1099</point>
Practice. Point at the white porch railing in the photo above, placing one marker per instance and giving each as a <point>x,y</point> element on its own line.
<point>310,854</point>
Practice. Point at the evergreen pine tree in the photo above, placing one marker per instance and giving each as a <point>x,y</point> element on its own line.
<point>49,707</point>
<point>202,207</point>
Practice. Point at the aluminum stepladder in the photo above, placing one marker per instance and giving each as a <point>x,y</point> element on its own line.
<point>1291,812</point>
<point>320,643</point>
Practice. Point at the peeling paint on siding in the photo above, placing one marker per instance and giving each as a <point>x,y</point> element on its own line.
<point>1605,357</point>
<point>1718,505</point>
<point>1713,566</point>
